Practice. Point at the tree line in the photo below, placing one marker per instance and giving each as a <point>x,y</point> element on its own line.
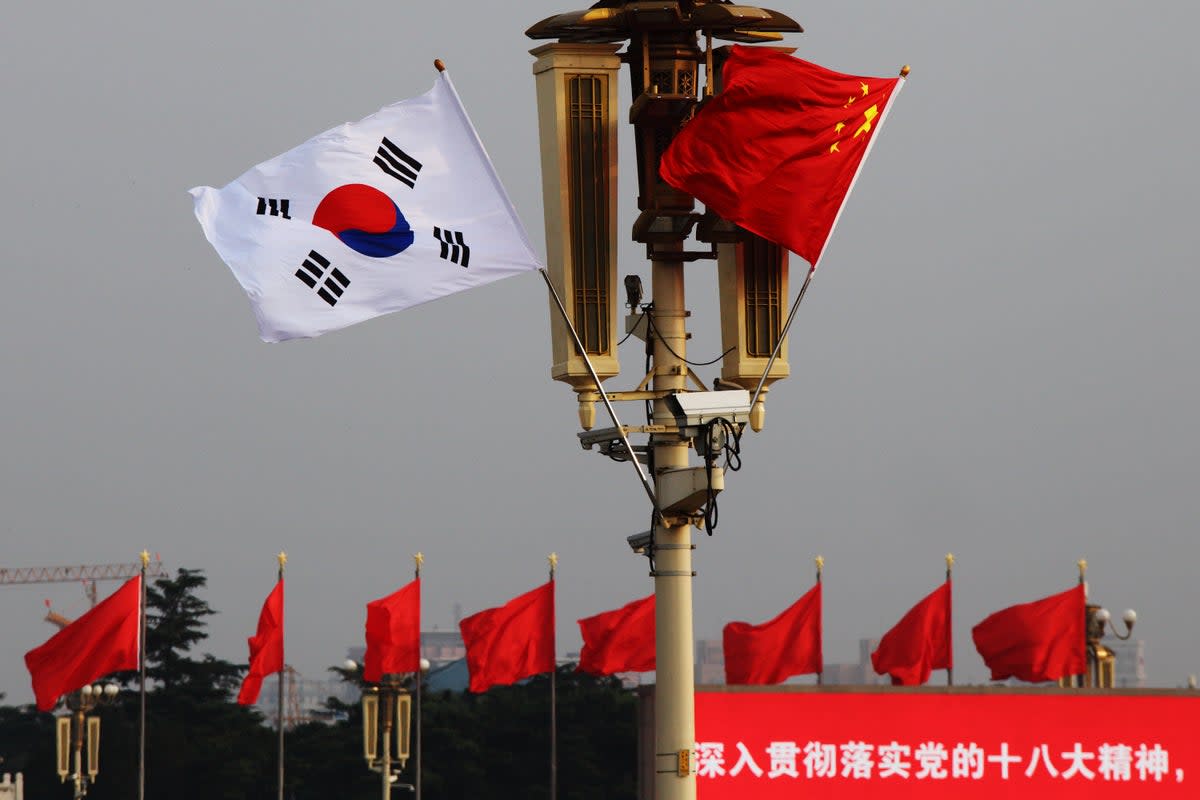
<point>200,744</point>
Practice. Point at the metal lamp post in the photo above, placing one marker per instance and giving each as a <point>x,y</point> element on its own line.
<point>1102,662</point>
<point>387,726</point>
<point>575,79</point>
<point>78,728</point>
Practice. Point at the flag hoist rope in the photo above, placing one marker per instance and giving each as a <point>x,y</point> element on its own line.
<point>813,269</point>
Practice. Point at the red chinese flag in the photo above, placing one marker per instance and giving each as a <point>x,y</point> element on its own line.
<point>774,651</point>
<point>919,643</point>
<point>778,149</point>
<point>1038,641</point>
<point>266,647</point>
<point>393,633</point>
<point>511,642</point>
<point>103,640</point>
<point>620,640</point>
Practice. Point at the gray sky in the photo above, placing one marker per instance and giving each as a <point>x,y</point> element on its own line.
<point>996,358</point>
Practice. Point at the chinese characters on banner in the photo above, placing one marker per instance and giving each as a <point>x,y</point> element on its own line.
<point>923,744</point>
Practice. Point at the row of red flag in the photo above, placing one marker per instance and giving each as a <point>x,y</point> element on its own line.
<point>1038,641</point>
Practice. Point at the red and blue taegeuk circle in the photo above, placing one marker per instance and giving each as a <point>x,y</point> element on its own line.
<point>365,220</point>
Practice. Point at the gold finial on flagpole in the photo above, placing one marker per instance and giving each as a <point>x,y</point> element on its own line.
<point>553,559</point>
<point>820,562</point>
<point>145,556</point>
<point>1082,564</point>
<point>949,563</point>
<point>904,71</point>
<point>418,559</point>
<point>441,66</point>
<point>281,558</point>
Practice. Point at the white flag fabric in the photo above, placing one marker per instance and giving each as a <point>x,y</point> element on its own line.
<point>368,218</point>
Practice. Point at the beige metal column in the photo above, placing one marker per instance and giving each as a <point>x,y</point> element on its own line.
<point>674,703</point>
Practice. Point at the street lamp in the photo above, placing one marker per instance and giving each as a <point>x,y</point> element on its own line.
<point>1102,661</point>
<point>575,79</point>
<point>76,729</point>
<point>386,721</point>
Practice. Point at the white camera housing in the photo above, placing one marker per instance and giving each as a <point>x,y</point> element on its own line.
<point>693,409</point>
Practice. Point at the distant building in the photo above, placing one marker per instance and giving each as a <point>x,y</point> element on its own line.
<point>710,666</point>
<point>710,662</point>
<point>304,698</point>
<point>1131,663</point>
<point>859,673</point>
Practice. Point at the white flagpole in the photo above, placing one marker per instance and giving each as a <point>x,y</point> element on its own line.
<point>812,271</point>
<point>142,680</point>
<point>282,557</point>
<point>600,389</point>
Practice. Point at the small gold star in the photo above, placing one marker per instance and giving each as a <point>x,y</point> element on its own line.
<point>864,89</point>
<point>833,148</point>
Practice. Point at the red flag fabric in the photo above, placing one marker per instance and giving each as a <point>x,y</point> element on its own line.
<point>774,651</point>
<point>1038,641</point>
<point>266,647</point>
<point>511,642</point>
<point>620,640</point>
<point>919,643</point>
<point>393,633</point>
<point>103,640</point>
<point>778,149</point>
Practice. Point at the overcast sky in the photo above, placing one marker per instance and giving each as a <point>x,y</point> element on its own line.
<point>996,359</point>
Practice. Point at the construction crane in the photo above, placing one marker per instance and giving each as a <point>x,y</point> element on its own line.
<point>87,574</point>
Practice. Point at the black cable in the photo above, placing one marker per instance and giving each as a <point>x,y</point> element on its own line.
<point>654,328</point>
<point>733,462</point>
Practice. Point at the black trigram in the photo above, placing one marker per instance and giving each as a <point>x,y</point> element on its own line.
<point>276,208</point>
<point>453,247</point>
<point>314,269</point>
<point>397,163</point>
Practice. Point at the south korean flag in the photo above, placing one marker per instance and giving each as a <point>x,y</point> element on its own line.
<point>370,217</point>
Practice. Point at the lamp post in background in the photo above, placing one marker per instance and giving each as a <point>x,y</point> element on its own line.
<point>78,728</point>
<point>576,84</point>
<point>1102,662</point>
<point>387,726</point>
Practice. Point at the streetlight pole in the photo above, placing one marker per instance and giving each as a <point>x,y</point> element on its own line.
<point>80,728</point>
<point>576,84</point>
<point>675,721</point>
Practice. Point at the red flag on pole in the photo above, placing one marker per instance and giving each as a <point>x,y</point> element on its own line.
<point>266,647</point>
<point>919,643</point>
<point>774,651</point>
<point>778,150</point>
<point>620,640</point>
<point>104,640</point>
<point>1038,641</point>
<point>393,633</point>
<point>511,642</point>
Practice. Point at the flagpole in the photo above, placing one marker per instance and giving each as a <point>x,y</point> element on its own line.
<point>813,269</point>
<point>418,560</point>
<point>600,390</point>
<point>145,556</point>
<point>553,559</point>
<point>949,619</point>
<point>282,558</point>
<point>820,562</point>
<point>1084,678</point>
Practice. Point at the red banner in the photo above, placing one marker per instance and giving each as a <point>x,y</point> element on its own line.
<point>948,744</point>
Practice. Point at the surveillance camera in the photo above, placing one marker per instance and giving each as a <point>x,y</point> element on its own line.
<point>641,542</point>
<point>693,409</point>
